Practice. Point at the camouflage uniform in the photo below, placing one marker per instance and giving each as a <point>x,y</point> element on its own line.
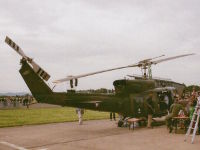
<point>174,110</point>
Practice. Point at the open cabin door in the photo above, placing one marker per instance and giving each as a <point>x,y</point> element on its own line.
<point>165,100</point>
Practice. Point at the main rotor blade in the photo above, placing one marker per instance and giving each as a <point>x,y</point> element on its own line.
<point>157,57</point>
<point>139,64</point>
<point>92,73</point>
<point>170,58</point>
<point>149,59</point>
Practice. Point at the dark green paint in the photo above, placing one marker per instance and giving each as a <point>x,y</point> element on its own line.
<point>130,95</point>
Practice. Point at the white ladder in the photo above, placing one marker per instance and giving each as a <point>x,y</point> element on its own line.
<point>195,119</point>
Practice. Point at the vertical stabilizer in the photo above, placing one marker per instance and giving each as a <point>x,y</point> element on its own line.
<point>36,85</point>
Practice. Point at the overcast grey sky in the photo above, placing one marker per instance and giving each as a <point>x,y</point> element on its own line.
<point>70,37</point>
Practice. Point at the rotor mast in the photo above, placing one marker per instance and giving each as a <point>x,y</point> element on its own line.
<point>146,67</point>
<point>144,70</point>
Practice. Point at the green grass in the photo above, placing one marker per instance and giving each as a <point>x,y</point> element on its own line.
<point>19,117</point>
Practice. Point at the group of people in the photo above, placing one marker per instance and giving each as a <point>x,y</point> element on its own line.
<point>15,101</point>
<point>178,109</point>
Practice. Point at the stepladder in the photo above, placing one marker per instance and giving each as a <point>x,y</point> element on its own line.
<point>193,123</point>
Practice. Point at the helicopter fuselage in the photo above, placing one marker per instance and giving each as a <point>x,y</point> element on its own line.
<point>129,99</point>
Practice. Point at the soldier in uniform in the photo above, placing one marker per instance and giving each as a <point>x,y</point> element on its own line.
<point>174,111</point>
<point>112,116</point>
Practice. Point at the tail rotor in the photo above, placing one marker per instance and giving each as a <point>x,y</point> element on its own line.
<point>37,69</point>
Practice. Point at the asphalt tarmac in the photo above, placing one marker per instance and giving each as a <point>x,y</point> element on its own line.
<point>92,135</point>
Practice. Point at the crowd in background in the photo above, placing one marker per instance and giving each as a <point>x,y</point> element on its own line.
<point>16,101</point>
<point>183,107</point>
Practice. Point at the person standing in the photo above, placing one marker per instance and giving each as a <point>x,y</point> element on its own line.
<point>198,97</point>
<point>112,116</point>
<point>174,111</point>
<point>194,92</point>
<point>166,100</point>
<point>4,102</point>
<point>14,102</point>
<point>80,112</point>
<point>150,109</point>
<point>193,103</point>
<point>25,101</point>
